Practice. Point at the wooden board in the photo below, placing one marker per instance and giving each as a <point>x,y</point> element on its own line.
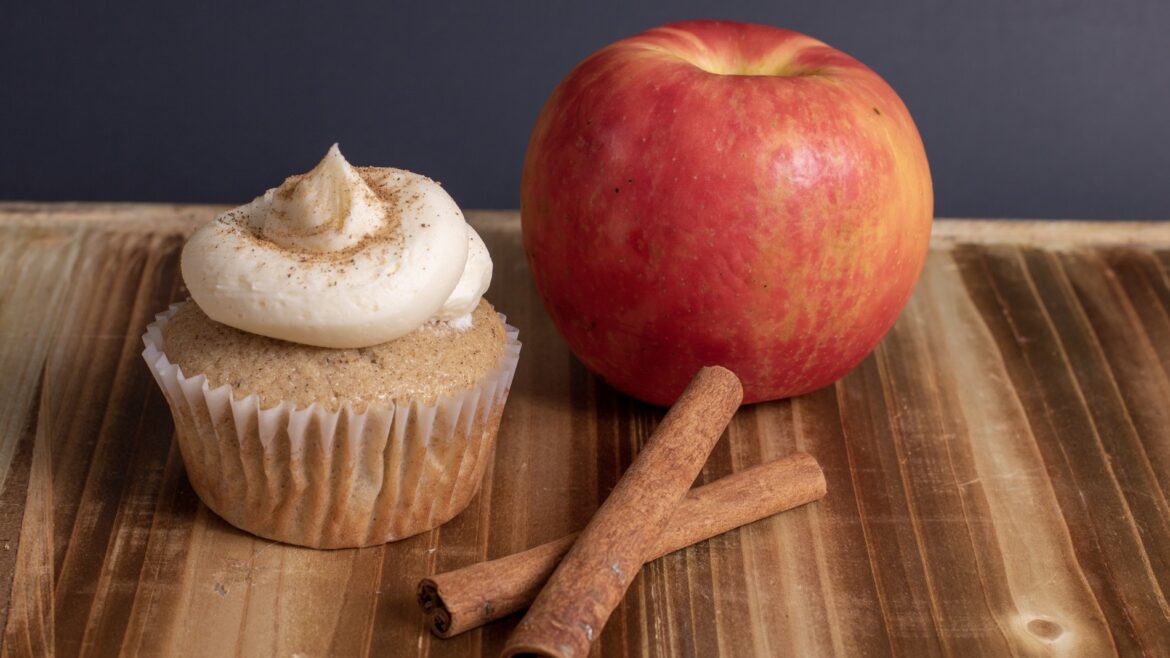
<point>998,470</point>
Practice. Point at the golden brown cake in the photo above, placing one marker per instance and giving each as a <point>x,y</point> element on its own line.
<point>432,361</point>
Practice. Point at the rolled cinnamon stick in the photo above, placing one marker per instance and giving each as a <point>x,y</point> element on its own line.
<point>592,578</point>
<point>467,598</point>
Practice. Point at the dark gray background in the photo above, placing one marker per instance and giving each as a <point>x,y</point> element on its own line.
<point>1028,109</point>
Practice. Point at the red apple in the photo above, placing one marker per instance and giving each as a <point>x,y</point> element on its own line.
<point>724,193</point>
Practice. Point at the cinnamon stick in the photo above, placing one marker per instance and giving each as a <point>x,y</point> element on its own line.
<point>467,598</point>
<point>592,578</point>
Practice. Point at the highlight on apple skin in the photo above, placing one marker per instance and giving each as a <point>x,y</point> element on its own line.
<point>721,193</point>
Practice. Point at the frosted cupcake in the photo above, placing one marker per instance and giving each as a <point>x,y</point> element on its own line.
<point>337,379</point>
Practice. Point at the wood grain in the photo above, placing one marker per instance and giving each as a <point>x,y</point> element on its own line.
<point>998,470</point>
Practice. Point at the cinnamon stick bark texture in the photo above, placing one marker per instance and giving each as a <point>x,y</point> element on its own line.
<point>463,599</point>
<point>588,584</point>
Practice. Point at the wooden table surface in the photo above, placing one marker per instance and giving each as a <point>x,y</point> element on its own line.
<point>998,470</point>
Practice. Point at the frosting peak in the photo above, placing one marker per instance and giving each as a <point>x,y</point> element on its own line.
<point>328,209</point>
<point>339,257</point>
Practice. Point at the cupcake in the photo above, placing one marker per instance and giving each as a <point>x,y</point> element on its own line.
<point>337,379</point>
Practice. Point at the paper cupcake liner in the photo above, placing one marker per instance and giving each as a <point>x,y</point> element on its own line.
<point>332,479</point>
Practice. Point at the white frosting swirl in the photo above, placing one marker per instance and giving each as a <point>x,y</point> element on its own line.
<point>340,257</point>
<point>477,275</point>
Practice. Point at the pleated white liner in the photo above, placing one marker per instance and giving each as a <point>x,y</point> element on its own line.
<point>332,479</point>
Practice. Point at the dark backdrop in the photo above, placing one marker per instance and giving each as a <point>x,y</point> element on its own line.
<point>1027,109</point>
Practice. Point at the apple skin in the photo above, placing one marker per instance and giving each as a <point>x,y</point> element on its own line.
<point>724,193</point>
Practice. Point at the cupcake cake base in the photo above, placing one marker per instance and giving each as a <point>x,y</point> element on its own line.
<point>360,474</point>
